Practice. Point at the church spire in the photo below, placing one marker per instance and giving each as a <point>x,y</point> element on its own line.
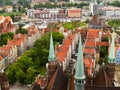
<point>51,50</point>
<point>79,74</point>
<point>111,57</point>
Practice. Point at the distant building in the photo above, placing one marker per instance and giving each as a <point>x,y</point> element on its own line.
<point>8,8</point>
<point>33,2</point>
<point>109,12</point>
<point>6,25</point>
<point>74,13</point>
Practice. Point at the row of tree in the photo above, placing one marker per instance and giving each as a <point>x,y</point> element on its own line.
<point>115,3</point>
<point>48,5</point>
<point>33,61</point>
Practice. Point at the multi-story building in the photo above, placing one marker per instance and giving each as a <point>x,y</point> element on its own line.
<point>109,12</point>
<point>54,13</point>
<point>21,43</point>
<point>74,13</point>
<point>9,52</point>
<point>6,25</point>
<point>33,2</point>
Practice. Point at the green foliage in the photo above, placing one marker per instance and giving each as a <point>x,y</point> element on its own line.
<point>48,5</point>
<point>69,25</point>
<point>6,2</point>
<point>114,23</point>
<point>22,31</point>
<point>24,3</point>
<point>33,61</point>
<point>73,25</point>
<point>115,3</point>
<point>21,9</point>
<point>105,39</point>
<point>103,54</point>
<point>20,76</point>
<point>82,24</point>
<point>5,37</point>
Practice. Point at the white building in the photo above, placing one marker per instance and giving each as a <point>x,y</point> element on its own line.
<point>110,12</point>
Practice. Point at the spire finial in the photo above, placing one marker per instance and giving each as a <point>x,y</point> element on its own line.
<point>51,50</point>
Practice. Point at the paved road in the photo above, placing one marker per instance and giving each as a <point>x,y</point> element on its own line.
<point>117,78</point>
<point>18,86</point>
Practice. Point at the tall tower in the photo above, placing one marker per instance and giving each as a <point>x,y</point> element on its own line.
<point>52,63</point>
<point>79,74</point>
<point>111,59</point>
<point>4,82</point>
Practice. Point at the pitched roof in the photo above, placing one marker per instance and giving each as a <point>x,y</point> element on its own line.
<point>102,79</point>
<point>94,32</point>
<point>102,43</point>
<point>89,50</point>
<point>1,58</point>
<point>58,81</point>
<point>14,42</point>
<point>61,51</point>
<point>90,44</point>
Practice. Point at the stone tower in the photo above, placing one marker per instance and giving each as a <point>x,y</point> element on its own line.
<point>52,63</point>
<point>111,59</point>
<point>4,82</point>
<point>80,74</point>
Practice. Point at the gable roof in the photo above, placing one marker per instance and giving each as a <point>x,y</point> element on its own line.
<point>58,81</point>
<point>102,79</point>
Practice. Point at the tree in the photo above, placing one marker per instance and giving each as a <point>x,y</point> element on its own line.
<point>20,76</point>
<point>22,31</point>
<point>11,72</point>
<point>33,61</point>
<point>6,2</point>
<point>31,74</point>
<point>103,54</point>
<point>115,3</point>
<point>5,38</point>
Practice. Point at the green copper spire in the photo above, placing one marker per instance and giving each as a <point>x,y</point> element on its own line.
<point>111,57</point>
<point>51,50</point>
<point>80,64</point>
<point>79,74</point>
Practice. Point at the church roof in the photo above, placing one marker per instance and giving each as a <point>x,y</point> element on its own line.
<point>102,79</point>
<point>58,81</point>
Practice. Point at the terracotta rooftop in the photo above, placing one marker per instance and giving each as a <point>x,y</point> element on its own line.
<point>61,51</point>
<point>89,50</point>
<point>1,58</point>
<point>90,44</point>
<point>94,32</point>
<point>14,42</point>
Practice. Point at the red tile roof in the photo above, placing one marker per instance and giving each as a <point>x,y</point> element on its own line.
<point>102,43</point>
<point>94,32</point>
<point>1,58</point>
<point>61,51</point>
<point>90,44</point>
<point>14,42</point>
<point>7,47</point>
<point>89,50</point>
